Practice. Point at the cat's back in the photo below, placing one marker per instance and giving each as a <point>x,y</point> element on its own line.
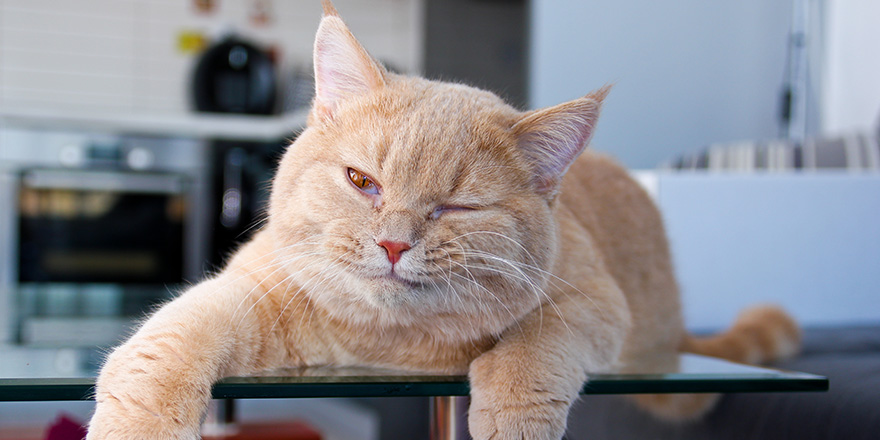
<point>609,202</point>
<point>627,228</point>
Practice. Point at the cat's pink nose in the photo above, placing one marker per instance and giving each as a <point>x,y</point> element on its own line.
<point>394,249</point>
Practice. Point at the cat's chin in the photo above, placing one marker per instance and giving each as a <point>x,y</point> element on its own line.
<point>393,279</point>
<point>394,292</point>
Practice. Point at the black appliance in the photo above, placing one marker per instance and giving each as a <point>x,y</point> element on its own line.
<point>240,183</point>
<point>104,226</point>
<point>95,229</point>
<point>234,76</point>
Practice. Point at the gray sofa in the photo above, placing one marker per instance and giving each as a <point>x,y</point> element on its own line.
<point>823,187</point>
<point>848,356</point>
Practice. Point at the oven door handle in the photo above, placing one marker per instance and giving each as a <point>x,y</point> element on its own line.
<point>111,181</point>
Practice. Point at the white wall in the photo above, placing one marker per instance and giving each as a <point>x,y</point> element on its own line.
<point>122,56</point>
<point>807,241</point>
<point>687,73</point>
<point>852,68</point>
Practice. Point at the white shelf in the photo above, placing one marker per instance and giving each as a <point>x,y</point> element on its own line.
<point>194,125</point>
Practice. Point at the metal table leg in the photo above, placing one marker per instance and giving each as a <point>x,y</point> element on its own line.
<point>220,420</point>
<point>449,418</point>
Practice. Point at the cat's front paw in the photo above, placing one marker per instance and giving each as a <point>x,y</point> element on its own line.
<point>517,422</point>
<point>116,420</point>
<point>141,394</point>
<point>513,400</point>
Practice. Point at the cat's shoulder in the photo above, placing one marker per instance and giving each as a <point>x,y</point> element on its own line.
<point>597,184</point>
<point>597,168</point>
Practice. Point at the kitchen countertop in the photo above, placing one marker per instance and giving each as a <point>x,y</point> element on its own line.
<point>196,125</point>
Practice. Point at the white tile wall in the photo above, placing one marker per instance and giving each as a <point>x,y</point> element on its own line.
<point>112,56</point>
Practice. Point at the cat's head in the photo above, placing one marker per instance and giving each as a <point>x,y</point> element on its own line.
<point>407,200</point>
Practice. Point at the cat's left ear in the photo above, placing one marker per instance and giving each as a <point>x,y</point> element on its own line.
<point>552,138</point>
<point>343,68</point>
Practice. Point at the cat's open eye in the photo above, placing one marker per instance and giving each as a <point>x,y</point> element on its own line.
<point>362,182</point>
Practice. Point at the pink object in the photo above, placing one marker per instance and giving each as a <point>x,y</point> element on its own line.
<point>65,428</point>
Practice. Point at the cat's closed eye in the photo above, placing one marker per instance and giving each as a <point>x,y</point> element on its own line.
<point>443,209</point>
<point>362,182</point>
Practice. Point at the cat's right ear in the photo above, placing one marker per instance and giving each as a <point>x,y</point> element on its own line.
<point>343,68</point>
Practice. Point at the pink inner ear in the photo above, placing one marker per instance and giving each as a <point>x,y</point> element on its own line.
<point>329,87</point>
<point>557,146</point>
<point>554,137</point>
<point>343,69</point>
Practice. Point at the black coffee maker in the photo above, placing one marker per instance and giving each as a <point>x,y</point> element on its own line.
<point>235,76</point>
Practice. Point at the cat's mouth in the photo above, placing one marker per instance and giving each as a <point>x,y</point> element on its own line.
<point>395,278</point>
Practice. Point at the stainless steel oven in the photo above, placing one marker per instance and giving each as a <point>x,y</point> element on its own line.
<point>95,228</point>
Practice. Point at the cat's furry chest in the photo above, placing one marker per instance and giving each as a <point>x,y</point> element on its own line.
<point>407,348</point>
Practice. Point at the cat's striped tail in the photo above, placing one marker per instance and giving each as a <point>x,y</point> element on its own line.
<point>760,335</point>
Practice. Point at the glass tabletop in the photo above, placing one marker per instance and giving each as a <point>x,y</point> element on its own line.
<point>689,374</point>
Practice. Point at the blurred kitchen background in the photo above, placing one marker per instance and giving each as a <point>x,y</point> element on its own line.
<point>137,136</point>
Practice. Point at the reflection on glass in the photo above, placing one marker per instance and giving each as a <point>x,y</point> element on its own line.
<point>22,374</point>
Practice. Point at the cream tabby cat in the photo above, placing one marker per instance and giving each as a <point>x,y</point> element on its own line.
<point>429,226</point>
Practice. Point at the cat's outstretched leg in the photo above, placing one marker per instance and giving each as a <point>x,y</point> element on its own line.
<point>158,384</point>
<point>524,386</point>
